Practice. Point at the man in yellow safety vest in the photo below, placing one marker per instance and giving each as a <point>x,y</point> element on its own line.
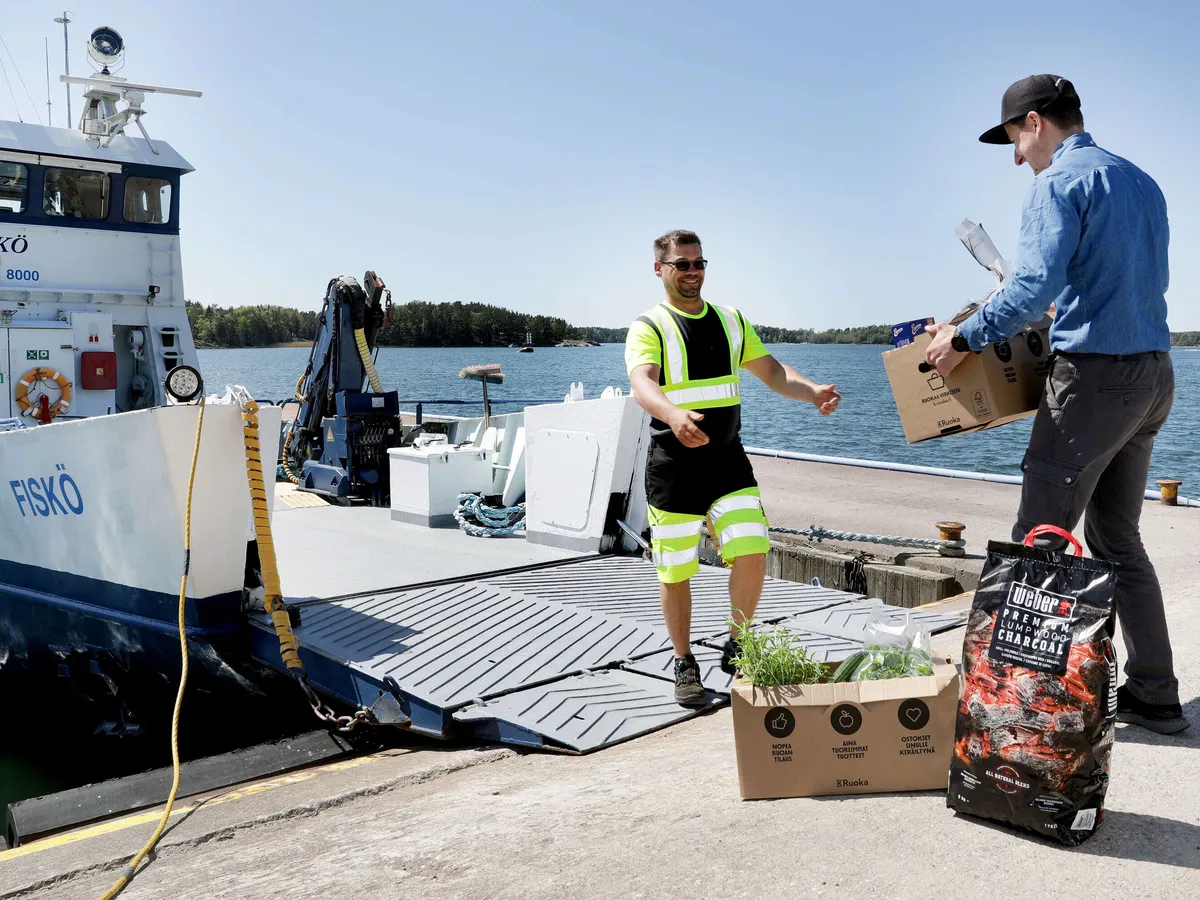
<point>683,358</point>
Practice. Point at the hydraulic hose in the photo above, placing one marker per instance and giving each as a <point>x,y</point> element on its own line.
<point>360,338</point>
<point>137,860</point>
<point>288,469</point>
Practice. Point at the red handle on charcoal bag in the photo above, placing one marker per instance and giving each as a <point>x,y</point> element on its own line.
<point>1054,529</point>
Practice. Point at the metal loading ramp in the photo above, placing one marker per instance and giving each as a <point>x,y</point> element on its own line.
<point>573,656</point>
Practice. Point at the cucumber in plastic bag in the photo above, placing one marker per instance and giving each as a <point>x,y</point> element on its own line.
<point>892,649</point>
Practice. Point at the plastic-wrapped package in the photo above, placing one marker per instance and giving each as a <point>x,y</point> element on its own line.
<point>892,648</point>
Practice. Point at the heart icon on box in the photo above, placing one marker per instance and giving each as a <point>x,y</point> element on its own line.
<point>913,714</point>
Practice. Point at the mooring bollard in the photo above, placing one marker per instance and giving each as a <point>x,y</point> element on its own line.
<point>951,531</point>
<point>1169,491</point>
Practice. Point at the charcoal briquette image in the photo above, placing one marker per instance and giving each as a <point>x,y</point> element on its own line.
<point>1034,730</point>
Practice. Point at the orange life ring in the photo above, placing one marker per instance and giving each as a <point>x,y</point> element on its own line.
<point>30,378</point>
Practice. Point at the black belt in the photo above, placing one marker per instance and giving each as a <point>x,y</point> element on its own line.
<point>1157,354</point>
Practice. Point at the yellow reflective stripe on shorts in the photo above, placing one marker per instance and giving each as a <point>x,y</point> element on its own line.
<point>677,557</point>
<point>737,501</point>
<point>742,530</point>
<point>678,530</point>
<point>706,394</point>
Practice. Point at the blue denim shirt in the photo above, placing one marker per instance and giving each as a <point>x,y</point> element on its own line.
<point>1094,242</point>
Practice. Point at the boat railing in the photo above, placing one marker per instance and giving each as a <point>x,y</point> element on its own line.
<point>422,403</point>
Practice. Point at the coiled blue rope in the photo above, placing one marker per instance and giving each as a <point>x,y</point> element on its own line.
<point>489,521</point>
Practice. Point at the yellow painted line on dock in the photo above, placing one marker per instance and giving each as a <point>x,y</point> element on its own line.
<point>151,816</point>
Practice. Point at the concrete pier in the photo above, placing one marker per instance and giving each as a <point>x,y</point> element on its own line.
<point>660,816</point>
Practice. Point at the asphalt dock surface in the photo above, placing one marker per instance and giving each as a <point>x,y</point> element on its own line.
<point>660,816</point>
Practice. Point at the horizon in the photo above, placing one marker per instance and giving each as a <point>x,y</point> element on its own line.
<point>526,156</point>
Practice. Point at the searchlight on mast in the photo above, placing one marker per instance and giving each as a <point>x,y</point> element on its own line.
<point>101,120</point>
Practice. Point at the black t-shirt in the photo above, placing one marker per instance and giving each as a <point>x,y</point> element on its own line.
<point>707,348</point>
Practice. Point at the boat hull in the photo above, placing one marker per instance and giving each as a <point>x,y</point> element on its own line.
<point>93,517</point>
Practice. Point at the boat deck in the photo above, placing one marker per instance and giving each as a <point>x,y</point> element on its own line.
<point>511,641</point>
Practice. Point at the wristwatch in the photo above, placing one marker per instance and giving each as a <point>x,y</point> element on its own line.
<point>959,343</point>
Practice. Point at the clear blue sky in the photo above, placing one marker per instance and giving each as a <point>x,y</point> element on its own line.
<point>526,153</point>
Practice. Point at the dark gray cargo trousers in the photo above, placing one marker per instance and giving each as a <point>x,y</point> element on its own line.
<point>1090,451</point>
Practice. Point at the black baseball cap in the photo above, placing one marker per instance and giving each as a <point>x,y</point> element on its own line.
<point>1032,94</point>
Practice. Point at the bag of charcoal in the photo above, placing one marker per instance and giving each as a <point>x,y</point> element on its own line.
<point>1035,724</point>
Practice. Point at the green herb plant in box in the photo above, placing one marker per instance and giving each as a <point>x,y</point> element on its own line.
<point>773,657</point>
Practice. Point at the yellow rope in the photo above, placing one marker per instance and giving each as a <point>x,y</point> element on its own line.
<point>360,338</point>
<point>183,677</point>
<point>273,593</point>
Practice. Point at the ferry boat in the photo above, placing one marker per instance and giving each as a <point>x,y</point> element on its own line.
<point>96,453</point>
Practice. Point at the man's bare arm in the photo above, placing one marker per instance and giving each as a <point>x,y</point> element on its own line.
<point>787,382</point>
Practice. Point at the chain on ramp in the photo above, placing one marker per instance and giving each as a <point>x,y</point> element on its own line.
<point>824,534</point>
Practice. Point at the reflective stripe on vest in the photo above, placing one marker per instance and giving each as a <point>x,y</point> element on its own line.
<point>707,394</point>
<point>681,390</point>
<point>675,370</point>
<point>734,331</point>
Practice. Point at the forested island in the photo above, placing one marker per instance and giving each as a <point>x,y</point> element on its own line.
<point>419,324</point>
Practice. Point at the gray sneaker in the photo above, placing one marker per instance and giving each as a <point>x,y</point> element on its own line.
<point>689,691</point>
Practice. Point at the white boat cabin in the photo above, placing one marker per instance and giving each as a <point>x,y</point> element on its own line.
<point>92,312</point>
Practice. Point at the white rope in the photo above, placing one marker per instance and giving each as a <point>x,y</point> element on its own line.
<point>490,521</point>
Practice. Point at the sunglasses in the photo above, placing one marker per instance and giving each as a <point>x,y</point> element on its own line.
<point>686,265</point>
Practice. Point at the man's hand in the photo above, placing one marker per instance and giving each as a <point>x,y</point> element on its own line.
<point>683,424</point>
<point>940,354</point>
<point>826,398</point>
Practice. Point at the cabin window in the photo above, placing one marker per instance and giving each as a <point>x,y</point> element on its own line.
<point>14,188</point>
<point>76,193</point>
<point>147,201</point>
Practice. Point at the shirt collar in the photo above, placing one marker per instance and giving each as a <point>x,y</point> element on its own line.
<point>1082,139</point>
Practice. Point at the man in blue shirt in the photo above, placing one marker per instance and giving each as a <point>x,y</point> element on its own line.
<point>1093,243</point>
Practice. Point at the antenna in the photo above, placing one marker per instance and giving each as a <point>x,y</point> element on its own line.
<point>49,116</point>
<point>66,20</point>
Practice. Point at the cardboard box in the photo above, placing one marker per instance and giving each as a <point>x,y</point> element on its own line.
<point>1000,385</point>
<point>863,737</point>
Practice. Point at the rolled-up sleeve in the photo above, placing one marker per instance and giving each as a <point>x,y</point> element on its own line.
<point>1050,227</point>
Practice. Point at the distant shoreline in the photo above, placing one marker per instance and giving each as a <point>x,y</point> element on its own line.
<point>306,345</point>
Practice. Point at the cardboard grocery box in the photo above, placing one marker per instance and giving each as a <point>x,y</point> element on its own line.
<point>862,737</point>
<point>1000,385</point>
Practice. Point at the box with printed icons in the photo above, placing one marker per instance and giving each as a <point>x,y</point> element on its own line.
<point>1001,384</point>
<point>864,737</point>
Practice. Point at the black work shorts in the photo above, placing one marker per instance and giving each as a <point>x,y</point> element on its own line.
<point>691,481</point>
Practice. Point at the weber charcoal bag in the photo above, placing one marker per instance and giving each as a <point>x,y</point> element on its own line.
<point>1034,730</point>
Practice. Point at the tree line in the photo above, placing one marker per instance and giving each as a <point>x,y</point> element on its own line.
<point>420,324</point>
